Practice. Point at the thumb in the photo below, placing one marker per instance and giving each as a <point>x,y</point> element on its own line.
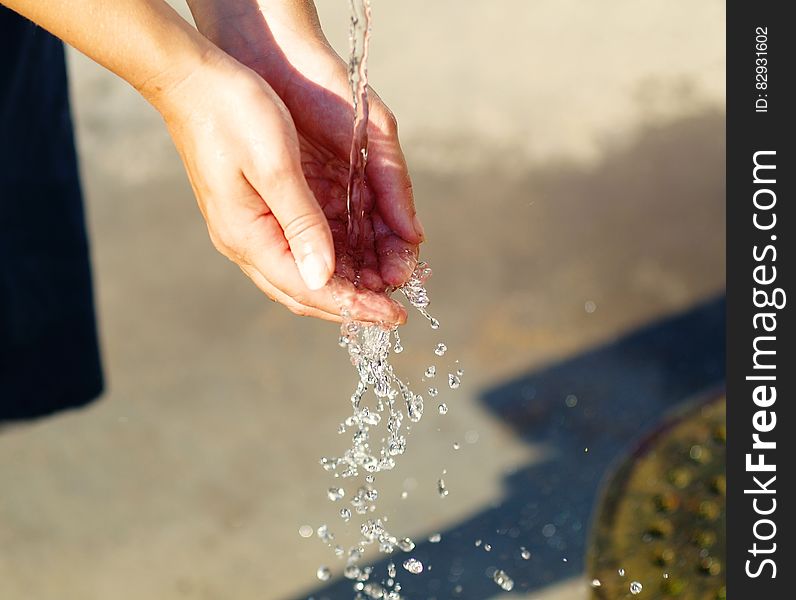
<point>303,223</point>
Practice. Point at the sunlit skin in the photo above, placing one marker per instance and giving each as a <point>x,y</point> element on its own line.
<point>265,139</point>
<point>282,41</point>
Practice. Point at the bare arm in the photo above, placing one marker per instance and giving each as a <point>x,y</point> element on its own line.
<point>143,41</point>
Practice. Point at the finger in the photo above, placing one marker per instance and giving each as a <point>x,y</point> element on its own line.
<point>278,296</point>
<point>388,176</point>
<point>387,172</point>
<point>268,252</point>
<point>397,257</point>
<point>282,186</point>
<point>362,267</point>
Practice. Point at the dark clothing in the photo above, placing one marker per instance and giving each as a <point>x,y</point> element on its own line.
<point>49,356</point>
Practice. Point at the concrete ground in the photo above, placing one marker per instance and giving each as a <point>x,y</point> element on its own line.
<point>568,159</point>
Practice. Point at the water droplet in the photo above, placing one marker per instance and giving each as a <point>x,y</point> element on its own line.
<point>345,514</point>
<point>621,572</point>
<point>430,372</point>
<point>443,409</point>
<point>526,555</point>
<point>391,570</point>
<point>397,347</point>
<point>595,583</point>
<point>414,408</point>
<point>635,588</point>
<point>432,391</point>
<point>305,531</point>
<point>324,574</point>
<point>352,572</point>
<point>590,306</point>
<point>477,543</point>
<point>549,530</point>
<point>441,489</point>
<point>456,445</point>
<point>404,495</point>
<point>434,323</point>
<point>335,493</point>
<point>503,580</point>
<point>453,381</point>
<point>325,535</point>
<point>414,566</point>
<point>435,538</point>
<point>488,547</point>
<point>406,545</point>
<point>441,349</point>
<point>571,401</point>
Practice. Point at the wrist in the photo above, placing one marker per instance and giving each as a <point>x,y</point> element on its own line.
<point>168,90</point>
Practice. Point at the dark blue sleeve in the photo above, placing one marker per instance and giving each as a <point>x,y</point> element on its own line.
<point>49,356</point>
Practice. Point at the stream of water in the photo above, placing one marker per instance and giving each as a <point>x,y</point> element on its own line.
<point>358,80</point>
<point>379,421</point>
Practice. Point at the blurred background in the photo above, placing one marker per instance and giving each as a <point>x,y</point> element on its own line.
<point>568,162</point>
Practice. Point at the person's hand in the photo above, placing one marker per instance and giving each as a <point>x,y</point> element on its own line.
<point>244,160</point>
<point>281,40</point>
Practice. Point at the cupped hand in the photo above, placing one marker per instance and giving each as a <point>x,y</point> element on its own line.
<point>283,43</point>
<point>271,198</point>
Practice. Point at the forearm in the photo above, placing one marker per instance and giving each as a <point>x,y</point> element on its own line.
<point>301,13</point>
<point>250,29</point>
<point>143,41</point>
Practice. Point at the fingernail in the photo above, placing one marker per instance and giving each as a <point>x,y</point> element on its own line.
<point>419,227</point>
<point>314,270</point>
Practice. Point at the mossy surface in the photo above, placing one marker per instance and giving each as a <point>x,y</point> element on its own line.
<point>661,520</point>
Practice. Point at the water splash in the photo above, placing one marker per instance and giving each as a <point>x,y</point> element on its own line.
<point>454,381</point>
<point>383,405</point>
<point>503,580</point>
<point>414,566</point>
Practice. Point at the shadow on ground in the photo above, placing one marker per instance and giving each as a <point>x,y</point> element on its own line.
<point>586,412</point>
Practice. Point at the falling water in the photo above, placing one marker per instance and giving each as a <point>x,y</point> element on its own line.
<point>358,79</point>
<point>377,424</point>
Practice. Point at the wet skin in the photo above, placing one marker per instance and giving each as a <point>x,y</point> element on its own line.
<point>301,110</point>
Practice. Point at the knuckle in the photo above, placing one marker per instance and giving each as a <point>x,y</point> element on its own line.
<point>390,123</point>
<point>219,240</point>
<point>226,243</point>
<point>299,310</point>
<point>302,226</point>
